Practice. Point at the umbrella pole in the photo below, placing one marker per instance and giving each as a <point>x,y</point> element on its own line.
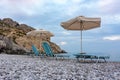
<point>81,42</point>
<point>40,42</point>
<point>81,26</point>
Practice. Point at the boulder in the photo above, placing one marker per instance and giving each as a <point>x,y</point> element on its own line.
<point>10,22</point>
<point>25,28</point>
<point>9,47</point>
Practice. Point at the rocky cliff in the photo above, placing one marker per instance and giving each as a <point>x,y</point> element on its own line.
<point>13,39</point>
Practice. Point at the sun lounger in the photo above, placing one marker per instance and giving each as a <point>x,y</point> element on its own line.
<point>84,56</point>
<point>48,50</point>
<point>103,57</point>
<point>34,51</point>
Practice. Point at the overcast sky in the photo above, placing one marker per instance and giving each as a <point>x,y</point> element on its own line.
<point>48,14</point>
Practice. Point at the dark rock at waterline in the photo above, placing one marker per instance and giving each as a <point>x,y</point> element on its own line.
<point>9,47</point>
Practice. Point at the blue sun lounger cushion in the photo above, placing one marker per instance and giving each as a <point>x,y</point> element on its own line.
<point>34,49</point>
<point>47,49</point>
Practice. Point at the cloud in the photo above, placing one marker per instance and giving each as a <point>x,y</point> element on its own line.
<point>62,43</point>
<point>66,33</point>
<point>66,7</point>
<point>104,3</point>
<point>112,38</point>
<point>60,1</point>
<point>109,6</point>
<point>27,7</point>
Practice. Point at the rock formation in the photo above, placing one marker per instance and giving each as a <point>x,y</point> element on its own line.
<point>13,39</point>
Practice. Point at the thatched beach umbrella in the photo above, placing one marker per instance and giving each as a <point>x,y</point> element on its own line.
<point>81,23</point>
<point>41,33</point>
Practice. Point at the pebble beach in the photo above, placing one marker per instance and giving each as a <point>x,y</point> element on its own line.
<point>23,67</point>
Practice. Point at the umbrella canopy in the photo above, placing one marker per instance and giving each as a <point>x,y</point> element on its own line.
<point>81,23</point>
<point>41,33</point>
